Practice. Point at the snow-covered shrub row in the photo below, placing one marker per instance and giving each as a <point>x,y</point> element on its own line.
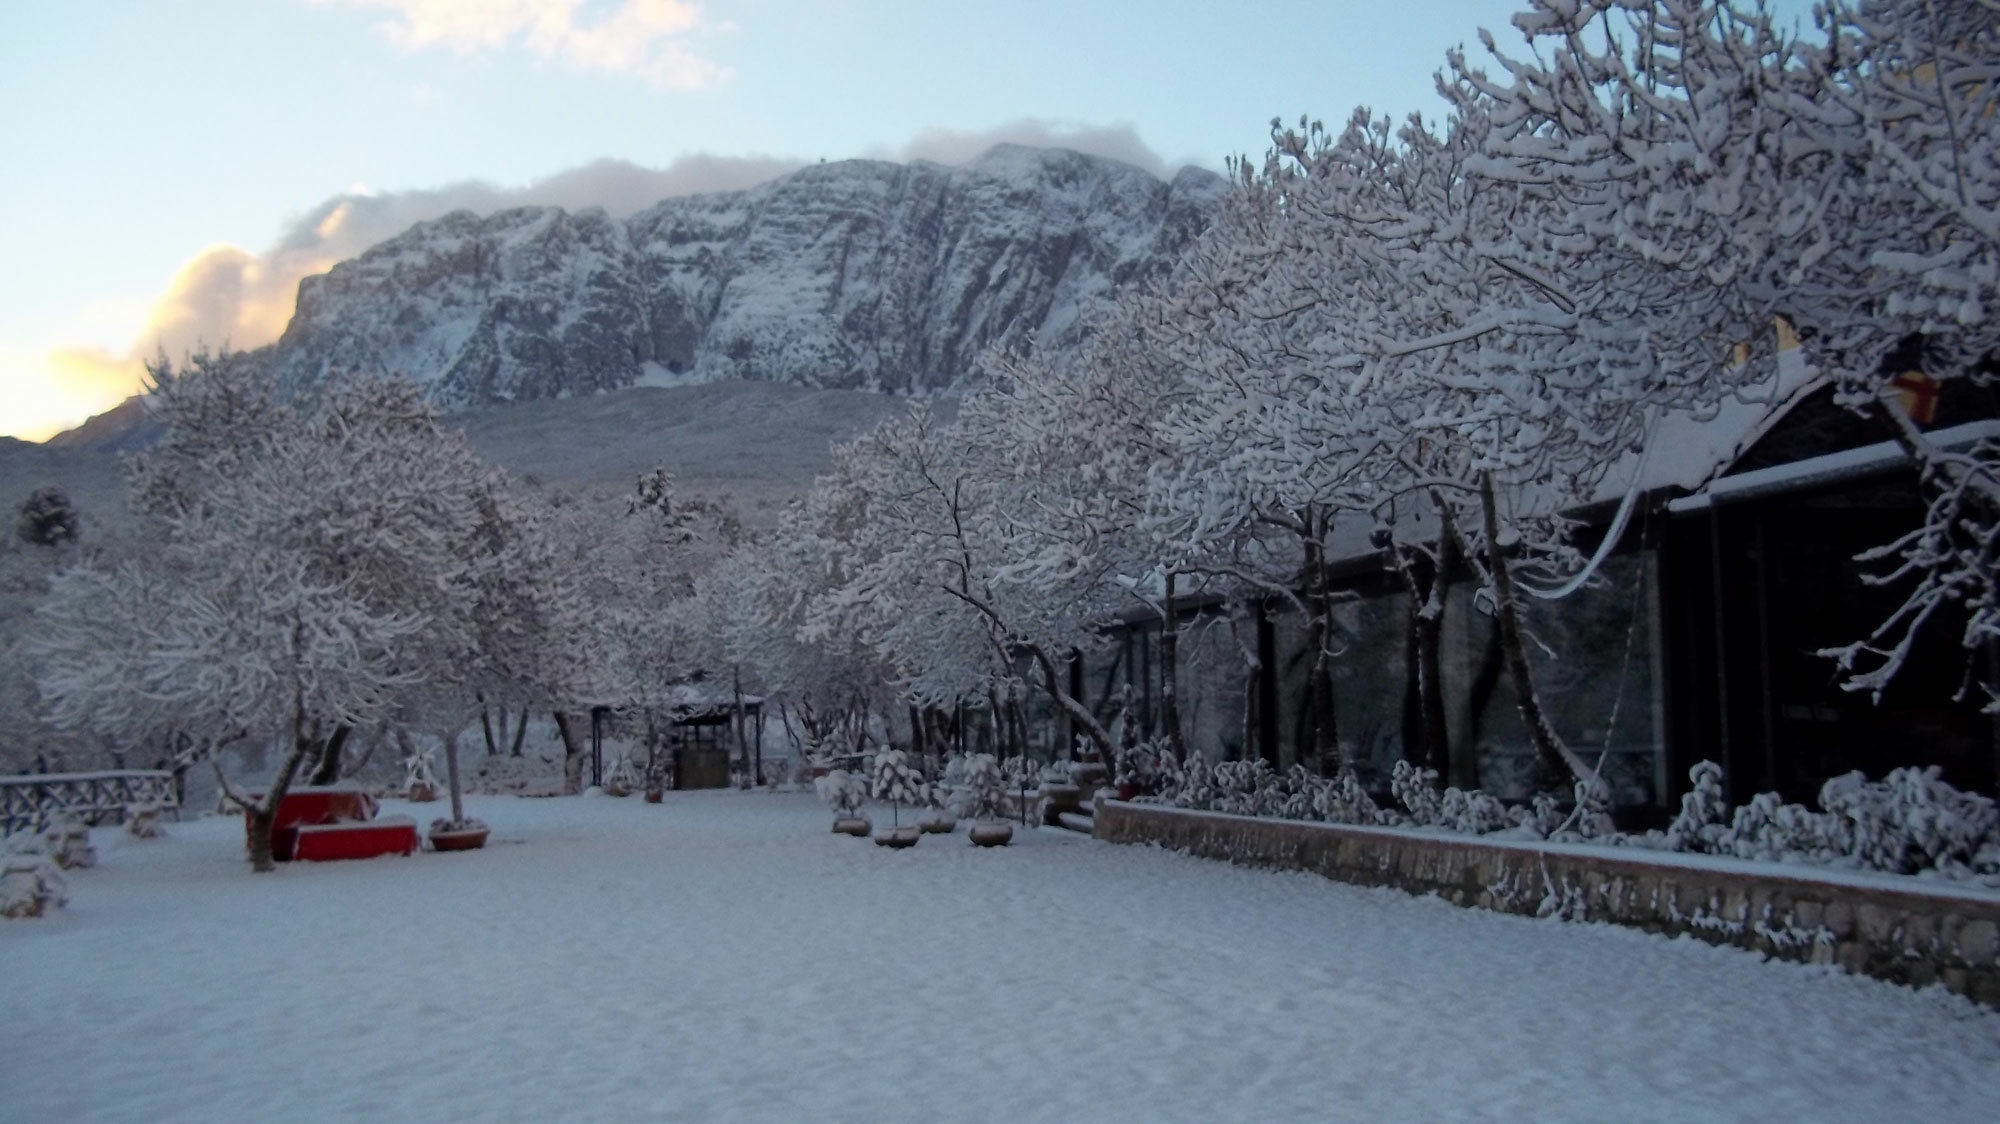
<point>971,785</point>
<point>1909,822</point>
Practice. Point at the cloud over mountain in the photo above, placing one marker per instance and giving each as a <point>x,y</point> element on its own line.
<point>229,297</point>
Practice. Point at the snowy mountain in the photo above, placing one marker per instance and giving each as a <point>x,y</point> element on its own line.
<point>859,274</point>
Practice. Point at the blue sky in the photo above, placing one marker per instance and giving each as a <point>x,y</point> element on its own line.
<point>158,153</point>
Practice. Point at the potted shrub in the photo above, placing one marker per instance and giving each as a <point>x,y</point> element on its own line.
<point>986,802</point>
<point>846,793</point>
<point>461,832</point>
<point>894,779</point>
<point>941,818</point>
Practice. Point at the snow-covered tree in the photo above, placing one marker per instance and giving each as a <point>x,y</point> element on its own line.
<point>311,567</point>
<point>912,532</point>
<point>47,518</point>
<point>1845,184</point>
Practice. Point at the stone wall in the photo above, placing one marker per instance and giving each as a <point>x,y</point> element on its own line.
<point>1920,933</point>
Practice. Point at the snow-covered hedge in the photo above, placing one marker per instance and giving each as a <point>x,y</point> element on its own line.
<point>1909,822</point>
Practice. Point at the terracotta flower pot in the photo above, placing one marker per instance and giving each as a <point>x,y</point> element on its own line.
<point>654,796</point>
<point>897,837</point>
<point>857,826</point>
<point>464,840</point>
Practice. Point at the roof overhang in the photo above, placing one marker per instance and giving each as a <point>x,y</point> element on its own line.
<point>1832,468</point>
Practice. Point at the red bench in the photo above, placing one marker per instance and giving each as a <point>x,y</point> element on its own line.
<point>391,835</point>
<point>312,805</point>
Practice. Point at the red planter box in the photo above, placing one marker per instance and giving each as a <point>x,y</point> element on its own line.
<point>396,835</point>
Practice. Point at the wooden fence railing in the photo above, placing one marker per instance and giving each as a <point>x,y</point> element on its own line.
<point>31,800</point>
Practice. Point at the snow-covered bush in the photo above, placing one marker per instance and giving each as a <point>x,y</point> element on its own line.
<point>843,790</point>
<point>1417,790</point>
<point>1343,800</point>
<point>894,779</point>
<point>1474,812</point>
<point>142,821</point>
<point>1911,820</point>
<point>1138,766</point>
<point>29,883</point>
<point>621,778</point>
<point>1591,817</point>
<point>986,795</point>
<point>1699,824</point>
<point>1021,774</point>
<point>68,842</point>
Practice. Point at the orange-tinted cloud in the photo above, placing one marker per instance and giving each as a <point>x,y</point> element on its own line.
<point>59,389</point>
<point>228,297</point>
<point>646,38</point>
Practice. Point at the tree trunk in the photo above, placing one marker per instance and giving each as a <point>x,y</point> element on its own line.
<point>520,729</point>
<point>1426,615</point>
<point>1092,728</point>
<point>919,743</point>
<point>1553,757</point>
<point>378,735</point>
<point>264,812</point>
<point>573,753</point>
<point>329,757</point>
<point>1017,705</point>
<point>451,771</point>
<point>486,727</point>
<point>736,718</point>
<point>1170,702</point>
<point>1319,603</point>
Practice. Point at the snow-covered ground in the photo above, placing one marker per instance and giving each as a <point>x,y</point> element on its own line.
<point>723,957</point>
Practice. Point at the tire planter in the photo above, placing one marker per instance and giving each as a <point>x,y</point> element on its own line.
<point>857,826</point>
<point>990,833</point>
<point>897,837</point>
<point>471,840</point>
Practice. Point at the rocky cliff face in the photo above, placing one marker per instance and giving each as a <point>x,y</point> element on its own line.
<point>860,274</point>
